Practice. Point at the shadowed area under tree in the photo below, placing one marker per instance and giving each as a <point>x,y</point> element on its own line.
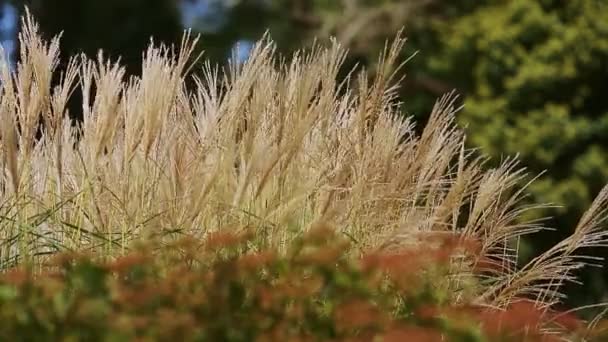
<point>121,28</point>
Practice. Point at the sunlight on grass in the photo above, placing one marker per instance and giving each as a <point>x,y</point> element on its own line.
<point>266,145</point>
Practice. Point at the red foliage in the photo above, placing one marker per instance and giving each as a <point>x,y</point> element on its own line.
<point>413,333</point>
<point>17,277</point>
<point>357,314</point>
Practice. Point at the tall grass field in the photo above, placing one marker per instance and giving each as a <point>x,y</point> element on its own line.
<point>277,151</point>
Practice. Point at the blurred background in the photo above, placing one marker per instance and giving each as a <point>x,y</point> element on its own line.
<point>533,74</point>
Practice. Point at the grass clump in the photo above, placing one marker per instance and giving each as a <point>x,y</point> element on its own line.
<point>272,146</point>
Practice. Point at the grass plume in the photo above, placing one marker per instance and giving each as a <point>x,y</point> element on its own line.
<point>273,146</point>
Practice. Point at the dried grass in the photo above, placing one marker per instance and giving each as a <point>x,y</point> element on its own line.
<point>267,145</point>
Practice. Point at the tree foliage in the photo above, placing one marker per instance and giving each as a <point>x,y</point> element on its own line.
<point>534,75</point>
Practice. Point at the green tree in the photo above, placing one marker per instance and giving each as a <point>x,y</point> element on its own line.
<point>534,74</point>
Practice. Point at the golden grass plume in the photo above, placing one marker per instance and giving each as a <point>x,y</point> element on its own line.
<point>269,145</point>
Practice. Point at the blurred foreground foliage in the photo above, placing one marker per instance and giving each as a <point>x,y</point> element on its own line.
<point>223,289</point>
